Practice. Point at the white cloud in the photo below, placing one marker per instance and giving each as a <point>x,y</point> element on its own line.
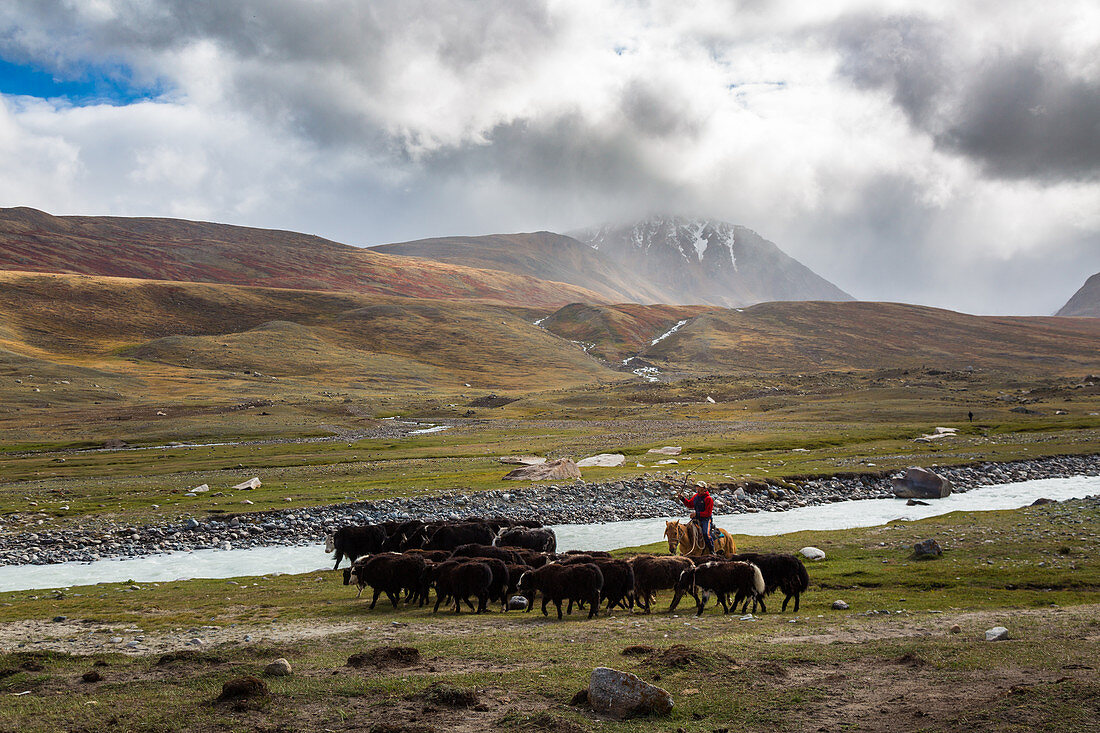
<point>850,133</point>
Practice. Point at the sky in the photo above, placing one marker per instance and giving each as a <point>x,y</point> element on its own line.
<point>942,153</point>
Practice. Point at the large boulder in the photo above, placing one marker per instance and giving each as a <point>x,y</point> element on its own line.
<point>562,468</point>
<point>624,695</point>
<point>602,460</point>
<point>920,483</point>
<point>668,450</point>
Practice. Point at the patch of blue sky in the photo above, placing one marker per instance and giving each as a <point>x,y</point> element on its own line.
<point>86,86</point>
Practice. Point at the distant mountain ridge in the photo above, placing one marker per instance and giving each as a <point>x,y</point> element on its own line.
<point>192,251</point>
<point>544,255</point>
<point>708,262</point>
<point>1086,301</point>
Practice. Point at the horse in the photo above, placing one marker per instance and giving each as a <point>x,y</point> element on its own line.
<point>683,539</point>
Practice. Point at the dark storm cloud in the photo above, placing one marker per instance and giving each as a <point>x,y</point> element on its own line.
<point>1028,117</point>
<point>902,55</point>
<point>1019,114</point>
<point>563,154</point>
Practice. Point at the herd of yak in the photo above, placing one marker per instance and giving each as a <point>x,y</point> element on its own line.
<point>513,562</point>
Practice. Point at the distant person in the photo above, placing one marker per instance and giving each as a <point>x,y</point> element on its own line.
<point>703,507</point>
<point>970,416</point>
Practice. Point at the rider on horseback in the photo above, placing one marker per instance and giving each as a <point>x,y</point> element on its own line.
<point>703,506</point>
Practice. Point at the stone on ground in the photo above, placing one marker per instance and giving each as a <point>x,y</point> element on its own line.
<point>517,603</point>
<point>252,483</point>
<point>840,606</point>
<point>668,450</point>
<point>562,468</point>
<point>926,549</point>
<point>812,553</point>
<point>279,668</point>
<point>997,633</point>
<point>623,695</point>
<point>920,483</point>
<point>602,460</point>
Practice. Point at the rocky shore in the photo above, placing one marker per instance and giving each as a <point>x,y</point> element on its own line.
<point>576,503</point>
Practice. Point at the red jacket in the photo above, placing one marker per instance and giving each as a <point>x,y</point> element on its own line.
<point>708,504</point>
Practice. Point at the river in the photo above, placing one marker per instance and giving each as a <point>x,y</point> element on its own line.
<point>306,558</point>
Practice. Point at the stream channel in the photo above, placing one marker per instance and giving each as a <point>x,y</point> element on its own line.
<point>306,558</point>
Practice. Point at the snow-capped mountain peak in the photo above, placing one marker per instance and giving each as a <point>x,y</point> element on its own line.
<point>705,260</point>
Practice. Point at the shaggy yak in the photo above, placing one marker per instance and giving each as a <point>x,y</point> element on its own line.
<point>557,583</point>
<point>354,542</point>
<point>659,572</point>
<point>450,536</point>
<point>475,550</point>
<point>742,580</point>
<point>539,540</point>
<point>618,579</point>
<point>460,580</point>
<point>781,572</point>
<point>389,573</point>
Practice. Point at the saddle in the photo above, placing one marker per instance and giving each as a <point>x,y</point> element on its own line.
<point>697,532</point>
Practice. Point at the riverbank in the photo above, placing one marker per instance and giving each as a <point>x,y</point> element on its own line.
<point>25,543</point>
<point>908,654</point>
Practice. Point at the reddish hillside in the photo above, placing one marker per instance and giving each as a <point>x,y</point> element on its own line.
<point>172,249</point>
<point>544,255</point>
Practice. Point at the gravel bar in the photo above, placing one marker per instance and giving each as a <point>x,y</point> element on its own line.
<point>572,503</point>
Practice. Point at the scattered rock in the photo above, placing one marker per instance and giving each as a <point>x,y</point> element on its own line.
<point>279,668</point>
<point>920,483</point>
<point>562,468</point>
<point>956,629</point>
<point>840,606</point>
<point>668,450</point>
<point>517,603</point>
<point>812,553</point>
<point>667,462</point>
<point>602,460</point>
<point>916,502</point>
<point>926,549</point>
<point>1043,501</point>
<point>997,633</point>
<point>252,483</point>
<point>623,695</point>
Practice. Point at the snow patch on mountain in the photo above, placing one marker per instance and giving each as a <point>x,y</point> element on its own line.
<point>708,261</point>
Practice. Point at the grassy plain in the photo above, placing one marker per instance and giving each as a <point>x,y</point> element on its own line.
<point>1032,570</point>
<point>103,380</point>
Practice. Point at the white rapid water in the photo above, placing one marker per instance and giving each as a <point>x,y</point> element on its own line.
<point>611,535</point>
